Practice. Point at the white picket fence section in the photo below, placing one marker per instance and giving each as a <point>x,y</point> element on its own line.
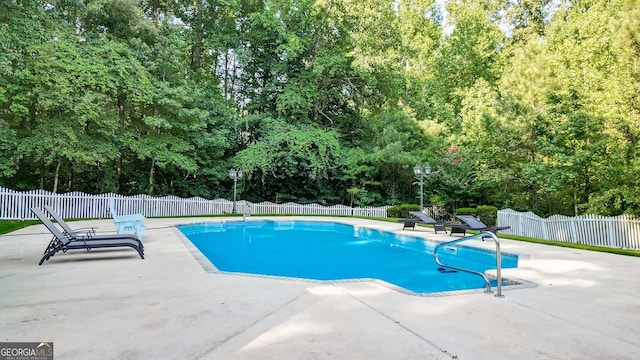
<point>610,231</point>
<point>16,205</point>
<point>616,232</point>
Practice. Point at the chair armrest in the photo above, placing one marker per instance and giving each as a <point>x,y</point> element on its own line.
<point>86,230</point>
<point>129,218</point>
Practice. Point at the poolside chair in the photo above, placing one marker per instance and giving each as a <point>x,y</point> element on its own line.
<point>63,243</point>
<point>127,223</point>
<point>66,229</point>
<point>474,223</point>
<point>408,223</point>
<point>426,219</point>
<point>87,234</point>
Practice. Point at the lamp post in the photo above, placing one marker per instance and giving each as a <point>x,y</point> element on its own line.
<point>420,173</point>
<point>235,175</point>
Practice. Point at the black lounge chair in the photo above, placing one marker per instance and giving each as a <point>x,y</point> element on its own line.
<point>66,229</point>
<point>473,223</point>
<point>408,223</point>
<point>426,219</point>
<point>64,243</point>
<point>87,233</point>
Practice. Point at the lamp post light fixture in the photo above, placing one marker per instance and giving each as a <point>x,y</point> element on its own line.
<point>235,175</point>
<point>420,173</point>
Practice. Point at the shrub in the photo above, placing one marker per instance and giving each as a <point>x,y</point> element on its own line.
<point>488,214</point>
<point>466,211</point>
<point>393,211</point>
<point>402,211</point>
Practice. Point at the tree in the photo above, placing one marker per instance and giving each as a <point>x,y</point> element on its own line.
<point>419,23</point>
<point>70,123</point>
<point>452,181</point>
<point>320,98</point>
<point>469,53</point>
<point>8,144</point>
<point>290,161</point>
<point>395,151</point>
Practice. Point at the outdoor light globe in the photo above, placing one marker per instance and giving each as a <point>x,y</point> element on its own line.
<point>417,170</point>
<point>235,174</point>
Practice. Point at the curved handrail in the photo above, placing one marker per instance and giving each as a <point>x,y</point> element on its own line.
<point>498,262</point>
<point>248,213</point>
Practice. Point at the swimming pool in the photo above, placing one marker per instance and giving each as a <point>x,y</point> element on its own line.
<point>328,251</point>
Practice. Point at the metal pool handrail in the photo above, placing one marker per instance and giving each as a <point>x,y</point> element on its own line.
<point>498,264</point>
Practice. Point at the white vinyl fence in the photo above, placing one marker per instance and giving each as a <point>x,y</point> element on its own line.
<point>610,231</point>
<point>16,205</point>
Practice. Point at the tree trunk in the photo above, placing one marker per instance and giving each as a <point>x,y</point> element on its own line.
<point>56,175</point>
<point>121,115</point>
<point>587,186</point>
<point>575,199</point>
<point>226,75</point>
<point>533,190</point>
<point>196,54</point>
<point>232,87</point>
<point>151,175</point>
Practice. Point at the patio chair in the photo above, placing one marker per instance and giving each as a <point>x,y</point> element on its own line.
<point>127,223</point>
<point>408,223</point>
<point>63,243</point>
<point>426,219</point>
<point>474,223</point>
<point>88,234</point>
<point>66,229</point>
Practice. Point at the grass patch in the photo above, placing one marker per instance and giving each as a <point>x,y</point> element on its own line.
<point>7,226</point>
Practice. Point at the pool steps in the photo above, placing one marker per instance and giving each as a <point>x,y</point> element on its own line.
<point>448,248</point>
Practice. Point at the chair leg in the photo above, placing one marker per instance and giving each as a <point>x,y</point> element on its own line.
<point>47,255</point>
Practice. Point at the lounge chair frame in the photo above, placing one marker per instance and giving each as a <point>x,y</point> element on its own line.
<point>66,229</point>
<point>88,234</point>
<point>408,223</point>
<point>474,223</point>
<point>64,243</point>
<point>426,219</point>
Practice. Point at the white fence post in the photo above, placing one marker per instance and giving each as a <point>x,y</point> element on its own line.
<point>545,231</point>
<point>16,205</point>
<point>617,231</point>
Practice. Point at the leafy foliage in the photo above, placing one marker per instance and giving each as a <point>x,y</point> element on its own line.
<point>305,154</point>
<point>402,211</point>
<point>531,105</point>
<point>487,214</point>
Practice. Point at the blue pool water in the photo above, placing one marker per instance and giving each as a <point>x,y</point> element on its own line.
<point>334,251</point>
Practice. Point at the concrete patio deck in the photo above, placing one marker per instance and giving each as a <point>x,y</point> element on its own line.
<point>113,305</point>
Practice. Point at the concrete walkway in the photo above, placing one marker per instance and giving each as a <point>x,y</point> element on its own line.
<point>113,305</point>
